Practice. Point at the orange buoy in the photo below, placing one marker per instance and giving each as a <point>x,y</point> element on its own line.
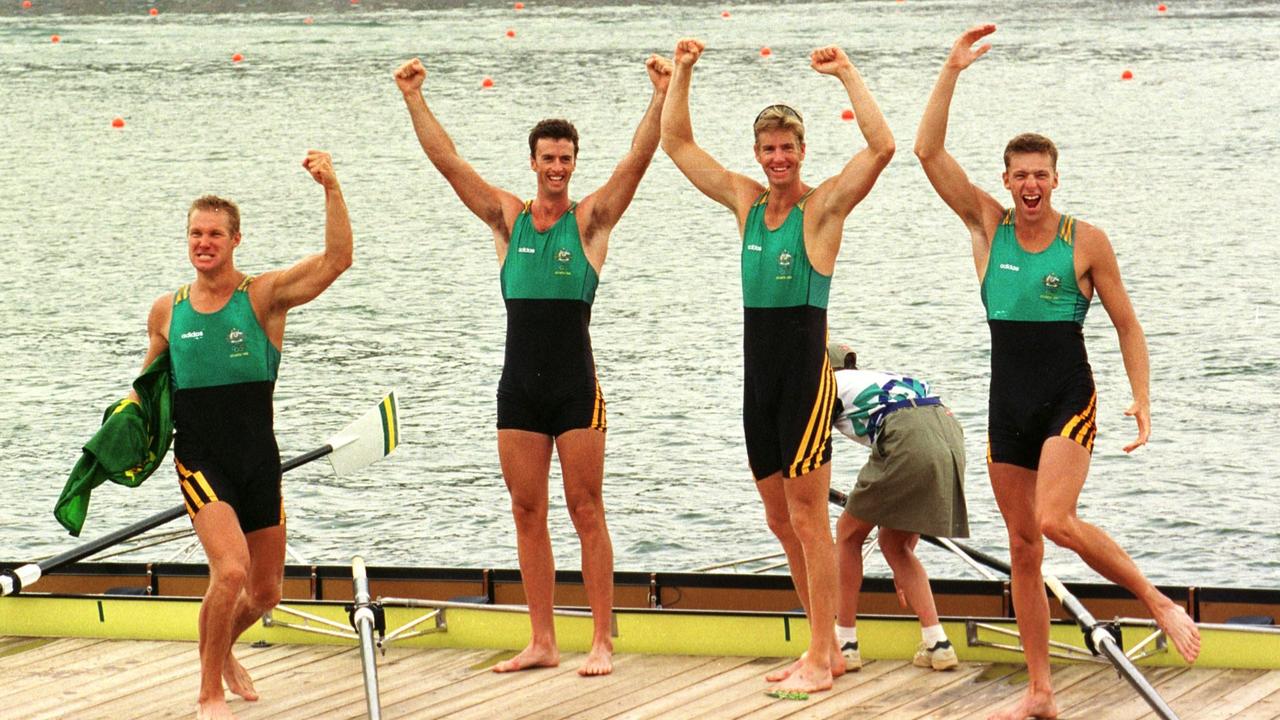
<point>154,12</point>
<point>486,83</point>
<point>847,114</point>
<point>765,52</point>
<point>55,38</point>
<point>511,33</point>
<point>1161,7</point>
<point>519,6</point>
<point>725,14</point>
<point>117,123</point>
<point>237,57</point>
<point>1126,75</point>
<point>308,20</point>
<point>26,4</point>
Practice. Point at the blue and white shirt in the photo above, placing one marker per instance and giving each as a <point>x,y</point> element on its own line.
<point>863,395</point>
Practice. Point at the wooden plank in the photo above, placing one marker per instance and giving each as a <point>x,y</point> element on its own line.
<point>53,692</point>
<point>1008,691</point>
<point>182,686</point>
<point>1238,700</point>
<point>1116,701</point>
<point>405,667</point>
<point>1206,695</point>
<point>992,685</point>
<point>648,673</point>
<point>690,700</point>
<point>477,685</point>
<point>1267,708</point>
<point>545,700</point>
<point>849,691</point>
<point>905,676</point>
<point>1171,686</point>
<point>647,692</point>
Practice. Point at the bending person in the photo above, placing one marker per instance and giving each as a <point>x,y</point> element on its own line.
<point>790,238</point>
<point>1039,269</point>
<point>224,333</point>
<point>550,253</point>
<point>912,483</point>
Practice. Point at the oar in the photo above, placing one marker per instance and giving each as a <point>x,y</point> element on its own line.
<point>361,443</point>
<point>364,617</point>
<point>1095,631</point>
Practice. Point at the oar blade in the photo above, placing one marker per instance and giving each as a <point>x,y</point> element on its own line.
<point>369,439</point>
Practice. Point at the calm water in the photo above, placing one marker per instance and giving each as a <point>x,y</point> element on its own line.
<point>1177,165</point>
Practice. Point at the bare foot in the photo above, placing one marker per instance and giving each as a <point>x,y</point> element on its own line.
<point>531,657</point>
<point>237,679</point>
<point>807,678</point>
<point>837,663</point>
<point>783,673</point>
<point>1035,704</point>
<point>1180,628</point>
<point>599,661</point>
<point>214,709</point>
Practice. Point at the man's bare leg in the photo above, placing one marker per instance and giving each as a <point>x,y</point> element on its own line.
<point>1063,467</point>
<point>218,529</point>
<point>851,534</point>
<point>778,518</point>
<point>261,593</point>
<point>1015,491</point>
<point>581,455</point>
<point>526,462</point>
<point>807,503</point>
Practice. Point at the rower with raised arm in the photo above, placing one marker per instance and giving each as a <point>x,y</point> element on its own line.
<point>1039,269</point>
<point>224,333</point>
<point>550,253</point>
<point>790,236</point>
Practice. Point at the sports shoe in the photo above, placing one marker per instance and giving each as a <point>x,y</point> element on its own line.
<point>939,657</point>
<point>852,658</point>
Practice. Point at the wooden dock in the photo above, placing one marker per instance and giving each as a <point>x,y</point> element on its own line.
<point>87,679</point>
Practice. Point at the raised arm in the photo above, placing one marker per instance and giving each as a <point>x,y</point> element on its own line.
<point>274,293</point>
<point>976,208</point>
<point>494,206</point>
<point>730,189</point>
<point>836,197</point>
<point>605,206</point>
<point>1104,272</point>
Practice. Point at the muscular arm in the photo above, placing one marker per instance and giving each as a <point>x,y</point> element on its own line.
<point>494,206</point>
<point>1104,271</point>
<point>604,207</point>
<point>730,189</point>
<point>157,333</point>
<point>836,197</point>
<point>279,291</point>
<point>978,210</point>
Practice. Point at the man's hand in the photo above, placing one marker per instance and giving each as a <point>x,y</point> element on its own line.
<point>829,60</point>
<point>963,53</point>
<point>688,51</point>
<point>410,75</point>
<point>320,165</point>
<point>659,72</point>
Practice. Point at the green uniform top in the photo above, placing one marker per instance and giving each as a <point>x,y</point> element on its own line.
<point>225,347</point>
<point>775,267</point>
<point>1036,287</point>
<point>548,265</point>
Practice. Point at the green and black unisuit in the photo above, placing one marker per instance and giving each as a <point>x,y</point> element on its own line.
<point>1041,382</point>
<point>789,389</point>
<point>224,369</point>
<point>548,380</point>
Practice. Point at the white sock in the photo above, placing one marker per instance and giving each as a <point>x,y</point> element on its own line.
<point>932,635</point>
<point>846,634</point>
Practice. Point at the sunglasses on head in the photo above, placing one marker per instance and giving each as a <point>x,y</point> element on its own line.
<point>781,109</point>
